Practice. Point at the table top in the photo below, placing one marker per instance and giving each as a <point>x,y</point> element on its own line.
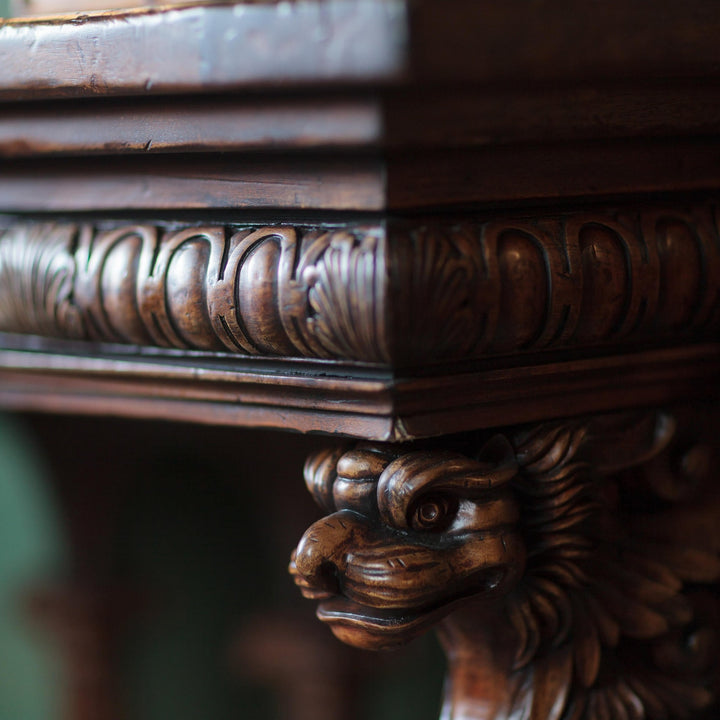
<point>365,106</point>
<point>230,47</point>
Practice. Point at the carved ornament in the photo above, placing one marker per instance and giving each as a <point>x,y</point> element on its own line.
<point>255,291</point>
<point>570,567</point>
<point>396,292</point>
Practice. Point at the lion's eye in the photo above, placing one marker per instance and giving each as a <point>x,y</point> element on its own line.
<point>433,513</point>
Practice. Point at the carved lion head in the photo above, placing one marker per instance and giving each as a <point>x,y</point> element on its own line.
<point>409,536</point>
<point>534,522</point>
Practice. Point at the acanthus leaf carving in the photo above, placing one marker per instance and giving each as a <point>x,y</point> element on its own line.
<point>349,269</point>
<point>271,291</point>
<point>37,271</point>
<point>400,292</point>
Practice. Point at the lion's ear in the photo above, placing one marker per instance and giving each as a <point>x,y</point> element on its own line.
<point>620,441</point>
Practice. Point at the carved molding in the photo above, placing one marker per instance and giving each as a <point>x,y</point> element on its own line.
<point>259,291</point>
<point>571,567</point>
<point>553,282</point>
<point>399,292</point>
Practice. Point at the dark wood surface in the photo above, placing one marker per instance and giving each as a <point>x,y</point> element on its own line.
<point>396,118</point>
<point>350,400</point>
<point>398,222</point>
<point>206,47</point>
<point>362,182</point>
<point>399,293</point>
<point>560,561</point>
<point>207,125</point>
<point>600,102</point>
<point>513,42</point>
<point>205,182</point>
<point>377,41</point>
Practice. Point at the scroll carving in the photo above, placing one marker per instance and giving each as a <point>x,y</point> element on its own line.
<point>398,293</point>
<point>270,291</point>
<point>571,567</point>
<point>576,280</point>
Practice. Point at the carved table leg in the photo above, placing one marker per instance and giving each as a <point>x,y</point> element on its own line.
<point>570,566</point>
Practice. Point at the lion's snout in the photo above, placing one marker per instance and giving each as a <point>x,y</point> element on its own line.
<point>378,567</point>
<point>320,559</point>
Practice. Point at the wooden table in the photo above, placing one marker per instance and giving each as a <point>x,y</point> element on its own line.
<point>480,239</point>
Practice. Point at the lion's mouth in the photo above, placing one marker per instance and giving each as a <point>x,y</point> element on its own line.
<point>374,627</point>
<point>370,626</point>
<point>341,608</point>
<point>336,609</point>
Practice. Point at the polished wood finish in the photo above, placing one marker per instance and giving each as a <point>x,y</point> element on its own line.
<point>571,565</point>
<point>352,400</point>
<point>206,182</point>
<point>378,80</point>
<point>204,125</point>
<point>378,41</point>
<point>175,49</point>
<point>480,238</point>
<point>399,293</point>
<point>363,118</point>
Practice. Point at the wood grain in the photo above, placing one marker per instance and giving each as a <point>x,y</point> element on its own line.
<point>457,117</point>
<point>171,50</point>
<point>370,42</point>
<point>322,182</point>
<point>508,113</point>
<point>580,171</point>
<point>334,397</point>
<point>359,181</point>
<point>205,125</point>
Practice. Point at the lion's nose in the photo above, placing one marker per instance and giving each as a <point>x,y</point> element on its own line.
<point>320,559</point>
